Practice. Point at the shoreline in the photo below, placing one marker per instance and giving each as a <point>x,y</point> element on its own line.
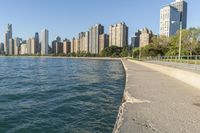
<point>63,57</point>
<point>125,99</point>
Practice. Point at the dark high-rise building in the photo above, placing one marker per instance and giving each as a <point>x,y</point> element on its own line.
<point>37,43</point>
<point>135,40</point>
<point>58,39</point>
<point>8,36</point>
<point>1,48</point>
<point>181,6</point>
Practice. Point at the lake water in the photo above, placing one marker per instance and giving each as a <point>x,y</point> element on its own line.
<point>50,95</point>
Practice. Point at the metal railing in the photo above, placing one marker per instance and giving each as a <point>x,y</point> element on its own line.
<point>189,59</point>
<point>186,62</point>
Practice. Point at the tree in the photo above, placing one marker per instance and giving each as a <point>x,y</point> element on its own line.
<point>111,51</point>
<point>135,52</point>
<point>169,46</point>
<point>124,52</point>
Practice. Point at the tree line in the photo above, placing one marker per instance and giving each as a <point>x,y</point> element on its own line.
<point>111,51</point>
<point>169,46</point>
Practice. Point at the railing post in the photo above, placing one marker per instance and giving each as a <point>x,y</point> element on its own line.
<point>196,58</point>
<point>180,59</point>
<point>175,58</point>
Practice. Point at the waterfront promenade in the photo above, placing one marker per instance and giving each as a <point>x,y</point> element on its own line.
<point>157,103</point>
<point>184,66</point>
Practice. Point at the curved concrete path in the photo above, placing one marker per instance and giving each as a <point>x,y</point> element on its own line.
<point>161,104</point>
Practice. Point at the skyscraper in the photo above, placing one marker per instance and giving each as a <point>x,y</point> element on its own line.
<point>1,48</point>
<point>16,45</point>
<point>24,49</point>
<point>8,36</point>
<point>84,41</point>
<point>135,40</point>
<point>169,21</point>
<point>145,37</point>
<point>172,17</point>
<point>181,6</point>
<point>37,43</point>
<point>77,45</point>
<point>73,43</point>
<point>94,33</point>
<point>81,40</point>
<point>142,38</point>
<point>29,46</point>
<point>44,42</point>
<point>66,46</point>
<point>103,41</point>
<point>33,46</point>
<point>57,46</point>
<point>11,47</point>
<point>118,35</point>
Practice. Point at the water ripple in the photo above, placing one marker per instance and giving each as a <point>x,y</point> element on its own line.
<point>59,95</point>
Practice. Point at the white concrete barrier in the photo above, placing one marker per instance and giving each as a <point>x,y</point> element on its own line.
<point>187,77</point>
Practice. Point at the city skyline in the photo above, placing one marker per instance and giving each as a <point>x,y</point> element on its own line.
<point>65,29</point>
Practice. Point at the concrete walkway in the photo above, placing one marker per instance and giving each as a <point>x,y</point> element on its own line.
<point>184,66</point>
<point>160,104</point>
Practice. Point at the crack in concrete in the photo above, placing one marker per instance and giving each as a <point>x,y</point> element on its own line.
<point>132,100</point>
<point>127,99</point>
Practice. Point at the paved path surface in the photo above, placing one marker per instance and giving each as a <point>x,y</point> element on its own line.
<point>161,104</point>
<point>184,66</point>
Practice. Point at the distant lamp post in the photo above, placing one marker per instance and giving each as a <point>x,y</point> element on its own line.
<point>180,38</point>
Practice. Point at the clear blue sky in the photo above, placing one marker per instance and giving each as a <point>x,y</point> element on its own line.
<point>66,18</point>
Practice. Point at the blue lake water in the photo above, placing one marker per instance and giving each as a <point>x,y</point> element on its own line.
<point>50,95</point>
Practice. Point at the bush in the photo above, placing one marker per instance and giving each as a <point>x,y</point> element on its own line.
<point>114,51</point>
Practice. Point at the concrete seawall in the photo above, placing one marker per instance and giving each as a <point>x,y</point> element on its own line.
<point>122,110</point>
<point>158,99</point>
<point>127,99</point>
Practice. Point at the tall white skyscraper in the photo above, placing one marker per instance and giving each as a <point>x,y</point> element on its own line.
<point>172,17</point>
<point>7,37</point>
<point>44,42</point>
<point>169,21</point>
